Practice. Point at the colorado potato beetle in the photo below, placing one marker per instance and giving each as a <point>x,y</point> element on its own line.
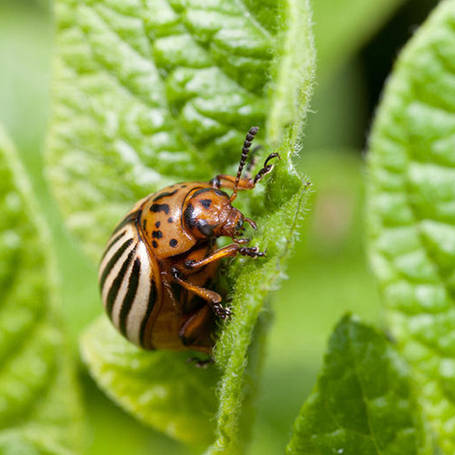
<point>161,256</point>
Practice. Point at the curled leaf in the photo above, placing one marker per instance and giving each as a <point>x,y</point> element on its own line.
<point>363,402</point>
<point>412,212</point>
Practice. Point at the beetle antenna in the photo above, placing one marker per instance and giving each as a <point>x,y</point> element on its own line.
<point>245,150</point>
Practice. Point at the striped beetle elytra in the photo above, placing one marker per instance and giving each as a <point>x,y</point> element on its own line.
<point>161,256</point>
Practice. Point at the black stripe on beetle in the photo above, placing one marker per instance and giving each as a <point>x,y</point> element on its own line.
<point>130,295</point>
<point>148,312</point>
<point>188,215</point>
<point>112,243</point>
<point>155,208</point>
<point>115,286</point>
<point>215,190</point>
<point>166,194</point>
<point>113,260</point>
<point>128,219</point>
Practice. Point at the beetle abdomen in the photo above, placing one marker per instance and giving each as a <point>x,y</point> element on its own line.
<point>127,281</point>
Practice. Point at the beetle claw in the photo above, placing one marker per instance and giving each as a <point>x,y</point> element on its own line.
<point>252,252</point>
<point>267,167</point>
<point>221,311</point>
<point>270,157</point>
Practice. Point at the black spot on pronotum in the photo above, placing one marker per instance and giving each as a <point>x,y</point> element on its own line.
<point>173,243</point>
<point>154,244</point>
<point>157,234</point>
<point>206,203</point>
<point>170,220</point>
<point>157,224</point>
<point>165,194</point>
<point>155,208</point>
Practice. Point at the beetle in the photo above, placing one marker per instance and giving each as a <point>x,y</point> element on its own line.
<point>161,256</point>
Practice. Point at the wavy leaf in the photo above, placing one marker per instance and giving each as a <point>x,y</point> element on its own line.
<point>39,409</point>
<point>151,92</point>
<point>363,402</point>
<point>412,212</point>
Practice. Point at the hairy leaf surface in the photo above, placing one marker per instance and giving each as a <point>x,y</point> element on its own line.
<point>363,402</point>
<point>159,388</point>
<point>412,212</point>
<point>39,409</point>
<point>147,93</point>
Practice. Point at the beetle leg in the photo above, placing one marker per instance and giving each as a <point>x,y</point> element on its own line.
<point>211,297</point>
<point>252,252</point>
<point>266,168</point>
<point>228,251</point>
<point>167,288</point>
<point>197,328</point>
<point>240,241</point>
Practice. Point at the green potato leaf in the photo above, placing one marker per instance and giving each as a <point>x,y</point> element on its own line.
<point>162,390</point>
<point>39,408</point>
<point>147,93</point>
<point>363,402</point>
<point>412,212</point>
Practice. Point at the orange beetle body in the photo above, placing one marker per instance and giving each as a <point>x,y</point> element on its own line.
<point>160,258</point>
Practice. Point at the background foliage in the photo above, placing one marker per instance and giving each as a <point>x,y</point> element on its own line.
<point>330,261</point>
<point>411,212</point>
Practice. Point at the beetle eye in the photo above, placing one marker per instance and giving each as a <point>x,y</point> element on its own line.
<point>239,224</point>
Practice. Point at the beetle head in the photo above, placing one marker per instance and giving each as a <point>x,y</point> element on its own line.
<point>209,213</point>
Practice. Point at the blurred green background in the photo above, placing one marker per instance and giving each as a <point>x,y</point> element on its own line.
<point>328,275</point>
